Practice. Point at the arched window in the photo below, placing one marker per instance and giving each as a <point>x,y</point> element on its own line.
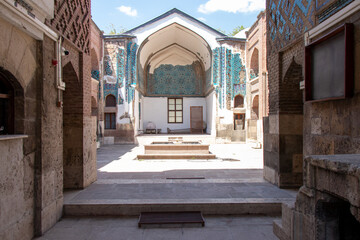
<point>6,106</point>
<point>238,101</point>
<point>254,64</point>
<point>110,101</point>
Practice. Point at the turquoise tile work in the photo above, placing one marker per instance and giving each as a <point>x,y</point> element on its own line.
<point>107,66</point>
<point>120,66</point>
<point>130,76</point>
<point>176,80</point>
<point>290,18</point>
<point>229,77</point>
<point>95,74</point>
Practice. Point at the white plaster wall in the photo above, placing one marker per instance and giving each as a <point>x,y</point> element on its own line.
<point>123,108</point>
<point>155,110</point>
<point>211,113</point>
<point>226,116</point>
<point>209,36</point>
<point>136,112</point>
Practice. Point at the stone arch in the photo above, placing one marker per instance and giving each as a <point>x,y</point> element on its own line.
<point>11,104</point>
<point>254,64</point>
<point>290,91</point>
<point>94,64</point>
<point>178,47</point>
<point>110,101</point>
<point>72,129</point>
<point>255,108</point>
<point>238,101</point>
<point>94,106</point>
<point>94,60</point>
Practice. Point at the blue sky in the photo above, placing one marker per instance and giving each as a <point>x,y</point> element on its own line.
<point>219,14</point>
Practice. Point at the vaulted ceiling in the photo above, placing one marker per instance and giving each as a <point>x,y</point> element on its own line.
<point>176,45</point>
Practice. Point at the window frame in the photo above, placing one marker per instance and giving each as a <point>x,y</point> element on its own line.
<point>111,121</point>
<point>8,99</point>
<point>175,111</point>
<point>348,81</point>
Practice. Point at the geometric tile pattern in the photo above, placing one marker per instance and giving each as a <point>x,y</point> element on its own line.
<point>120,66</point>
<point>95,74</point>
<point>111,88</point>
<point>169,80</point>
<point>229,76</point>
<point>107,65</point>
<point>288,19</point>
<point>130,71</point>
<point>72,20</point>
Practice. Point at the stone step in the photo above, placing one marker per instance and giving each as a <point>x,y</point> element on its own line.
<point>278,230</point>
<point>119,207</point>
<point>282,228</point>
<point>176,156</point>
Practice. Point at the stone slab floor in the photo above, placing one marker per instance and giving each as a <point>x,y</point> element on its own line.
<point>235,175</point>
<point>216,228</point>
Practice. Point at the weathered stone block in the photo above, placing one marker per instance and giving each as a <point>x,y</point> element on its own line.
<point>266,126</point>
<point>274,124</point>
<point>316,126</point>
<point>291,124</point>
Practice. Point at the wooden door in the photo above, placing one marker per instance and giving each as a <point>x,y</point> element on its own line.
<point>196,119</point>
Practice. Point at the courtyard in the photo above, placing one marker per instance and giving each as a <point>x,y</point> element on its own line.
<point>236,201</point>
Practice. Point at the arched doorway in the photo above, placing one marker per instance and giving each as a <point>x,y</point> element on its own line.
<point>72,129</point>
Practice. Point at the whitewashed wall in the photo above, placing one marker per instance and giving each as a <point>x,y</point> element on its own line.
<point>154,109</point>
<point>211,113</point>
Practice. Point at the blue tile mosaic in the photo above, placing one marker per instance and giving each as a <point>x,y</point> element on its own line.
<point>95,74</point>
<point>130,76</point>
<point>228,71</point>
<point>107,66</point>
<point>175,80</point>
<point>120,66</point>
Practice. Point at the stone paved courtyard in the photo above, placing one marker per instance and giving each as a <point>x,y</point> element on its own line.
<point>234,177</point>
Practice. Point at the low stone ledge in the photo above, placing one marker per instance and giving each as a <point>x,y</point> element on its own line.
<point>336,174</point>
<point>340,163</point>
<point>12,137</point>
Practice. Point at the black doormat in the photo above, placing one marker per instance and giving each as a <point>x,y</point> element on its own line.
<point>184,178</point>
<point>170,218</point>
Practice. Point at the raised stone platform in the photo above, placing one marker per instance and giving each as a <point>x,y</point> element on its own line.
<point>176,148</point>
<point>108,198</point>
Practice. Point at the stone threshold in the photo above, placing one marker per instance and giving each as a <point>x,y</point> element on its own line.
<point>133,207</point>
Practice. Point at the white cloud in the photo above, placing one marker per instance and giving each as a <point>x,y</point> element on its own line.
<point>128,11</point>
<point>232,6</point>
<point>201,19</point>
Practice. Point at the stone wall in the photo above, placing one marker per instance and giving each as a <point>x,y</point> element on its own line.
<point>257,73</point>
<point>16,190</point>
<point>18,62</point>
<point>295,130</point>
<point>49,161</point>
<point>72,21</point>
<point>33,168</point>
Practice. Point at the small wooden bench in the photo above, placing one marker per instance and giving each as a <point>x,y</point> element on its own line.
<point>153,131</point>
